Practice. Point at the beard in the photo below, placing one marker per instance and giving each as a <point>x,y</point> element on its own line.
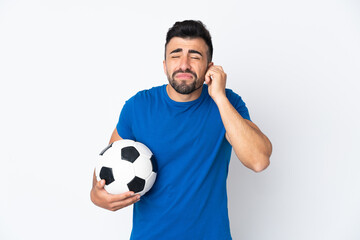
<point>181,86</point>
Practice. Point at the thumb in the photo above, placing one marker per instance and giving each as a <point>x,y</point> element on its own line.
<point>100,184</point>
<point>207,78</point>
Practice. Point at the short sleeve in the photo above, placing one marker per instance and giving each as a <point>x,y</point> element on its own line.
<point>238,104</point>
<point>124,125</point>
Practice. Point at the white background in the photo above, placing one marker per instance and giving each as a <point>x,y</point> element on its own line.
<point>67,67</point>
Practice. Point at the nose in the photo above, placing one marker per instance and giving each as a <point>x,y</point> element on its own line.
<point>184,63</point>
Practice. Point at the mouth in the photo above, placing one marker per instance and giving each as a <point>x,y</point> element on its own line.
<point>184,76</point>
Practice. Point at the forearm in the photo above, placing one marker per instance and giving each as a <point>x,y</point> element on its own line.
<point>250,145</point>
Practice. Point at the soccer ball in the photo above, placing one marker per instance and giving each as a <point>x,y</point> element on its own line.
<point>126,165</point>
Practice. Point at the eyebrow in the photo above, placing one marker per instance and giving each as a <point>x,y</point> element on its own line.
<point>190,51</point>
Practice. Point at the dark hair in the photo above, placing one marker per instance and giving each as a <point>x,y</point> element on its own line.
<point>190,29</point>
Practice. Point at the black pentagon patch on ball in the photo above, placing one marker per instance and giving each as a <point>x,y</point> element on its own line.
<point>107,174</point>
<point>129,154</point>
<point>154,163</point>
<point>103,151</point>
<point>136,184</point>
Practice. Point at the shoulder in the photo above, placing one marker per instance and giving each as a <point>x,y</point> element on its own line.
<point>238,103</point>
<point>232,96</point>
<point>147,94</point>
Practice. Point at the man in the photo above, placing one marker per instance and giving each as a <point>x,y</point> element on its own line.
<point>190,127</point>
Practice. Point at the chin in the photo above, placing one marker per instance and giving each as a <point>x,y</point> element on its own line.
<point>186,88</point>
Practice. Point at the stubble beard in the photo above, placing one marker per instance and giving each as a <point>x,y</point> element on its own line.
<point>181,86</point>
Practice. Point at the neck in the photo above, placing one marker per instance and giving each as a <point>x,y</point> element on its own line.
<point>177,97</point>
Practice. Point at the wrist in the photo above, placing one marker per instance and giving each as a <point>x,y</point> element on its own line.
<point>220,99</point>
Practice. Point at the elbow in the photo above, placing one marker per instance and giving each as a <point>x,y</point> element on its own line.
<point>262,161</point>
<point>259,162</point>
<point>261,165</point>
<point>256,164</point>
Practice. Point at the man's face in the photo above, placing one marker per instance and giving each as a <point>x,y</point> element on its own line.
<point>186,63</point>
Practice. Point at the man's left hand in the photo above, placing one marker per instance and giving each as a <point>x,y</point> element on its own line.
<point>215,78</point>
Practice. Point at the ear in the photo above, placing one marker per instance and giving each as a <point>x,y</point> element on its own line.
<point>210,64</point>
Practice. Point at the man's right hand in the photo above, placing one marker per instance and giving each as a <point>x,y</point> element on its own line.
<point>113,202</point>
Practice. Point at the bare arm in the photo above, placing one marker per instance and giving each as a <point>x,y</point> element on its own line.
<point>100,197</point>
<point>250,145</point>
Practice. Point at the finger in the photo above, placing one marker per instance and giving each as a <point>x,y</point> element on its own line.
<point>124,203</point>
<point>217,69</point>
<point>208,76</point>
<point>214,68</point>
<point>121,197</point>
<point>220,68</point>
<point>207,79</point>
<point>217,73</point>
<point>214,72</point>
<point>100,184</point>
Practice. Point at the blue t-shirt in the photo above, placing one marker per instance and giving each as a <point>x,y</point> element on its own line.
<point>189,198</point>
